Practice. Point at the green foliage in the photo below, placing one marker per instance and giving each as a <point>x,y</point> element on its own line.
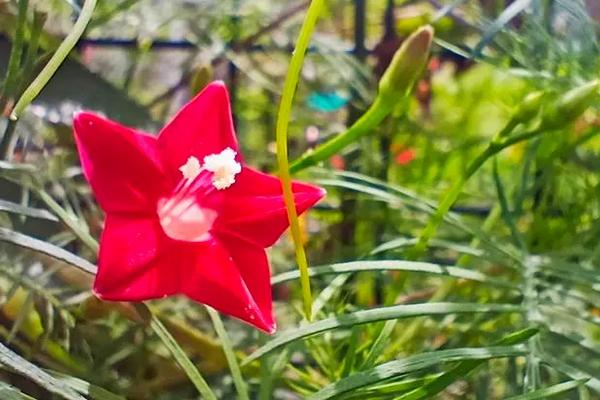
<point>456,254</point>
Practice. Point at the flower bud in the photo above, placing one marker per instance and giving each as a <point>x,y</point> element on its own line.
<point>570,105</point>
<point>529,107</point>
<point>407,64</point>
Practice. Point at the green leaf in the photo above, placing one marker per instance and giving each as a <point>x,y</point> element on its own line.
<point>571,371</point>
<point>418,362</point>
<point>403,242</point>
<point>15,208</point>
<point>8,392</point>
<point>27,242</point>
<point>390,388</point>
<point>374,315</point>
<point>462,369</point>
<point>394,265</point>
<point>92,391</point>
<point>397,195</point>
<point>182,359</point>
<point>8,168</point>
<point>548,391</point>
<point>504,18</point>
<point>36,374</point>
<point>379,343</point>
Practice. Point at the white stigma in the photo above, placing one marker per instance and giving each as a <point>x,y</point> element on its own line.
<point>224,168</point>
<point>191,169</point>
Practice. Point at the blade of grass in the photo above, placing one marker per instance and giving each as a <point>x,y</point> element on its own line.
<point>33,372</point>
<point>14,208</point>
<point>461,370</point>
<point>8,392</point>
<point>27,242</point>
<point>182,359</point>
<point>376,315</point>
<point>379,343</point>
<point>394,265</point>
<point>234,367</point>
<point>549,391</point>
<point>92,391</point>
<point>504,18</point>
<point>572,372</point>
<point>269,375</point>
<point>414,363</point>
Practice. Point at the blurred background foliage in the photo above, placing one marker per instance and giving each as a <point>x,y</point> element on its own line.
<point>521,240</point>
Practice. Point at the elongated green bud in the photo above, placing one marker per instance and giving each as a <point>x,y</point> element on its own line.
<point>530,106</point>
<point>570,105</point>
<point>525,111</point>
<point>407,65</point>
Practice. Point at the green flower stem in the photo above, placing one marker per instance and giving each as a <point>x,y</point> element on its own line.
<point>234,367</point>
<point>283,119</point>
<point>68,220</point>
<point>182,359</point>
<point>365,124</point>
<point>57,59</point>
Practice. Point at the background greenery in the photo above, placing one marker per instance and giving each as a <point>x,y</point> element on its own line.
<point>503,300</point>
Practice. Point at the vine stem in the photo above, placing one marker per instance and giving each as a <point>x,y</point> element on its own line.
<point>283,119</point>
<point>57,59</point>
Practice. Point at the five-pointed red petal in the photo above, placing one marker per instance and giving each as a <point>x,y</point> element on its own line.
<point>130,172</point>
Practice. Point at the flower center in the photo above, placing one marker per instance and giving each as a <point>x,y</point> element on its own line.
<point>182,215</point>
<point>182,218</point>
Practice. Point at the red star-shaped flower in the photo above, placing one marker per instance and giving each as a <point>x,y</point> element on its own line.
<point>184,215</point>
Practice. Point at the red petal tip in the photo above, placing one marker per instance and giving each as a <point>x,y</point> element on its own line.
<point>218,82</point>
<point>268,327</point>
<point>272,329</point>
<point>263,321</point>
<point>322,192</point>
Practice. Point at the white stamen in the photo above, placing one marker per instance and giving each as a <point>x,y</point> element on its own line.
<point>224,168</point>
<point>191,169</point>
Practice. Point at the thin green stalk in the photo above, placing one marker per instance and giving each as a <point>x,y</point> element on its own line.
<point>270,372</point>
<point>68,220</point>
<point>234,367</point>
<point>283,119</point>
<point>16,52</point>
<point>182,359</point>
<point>530,305</point>
<point>33,45</point>
<point>7,139</point>
<point>57,59</point>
